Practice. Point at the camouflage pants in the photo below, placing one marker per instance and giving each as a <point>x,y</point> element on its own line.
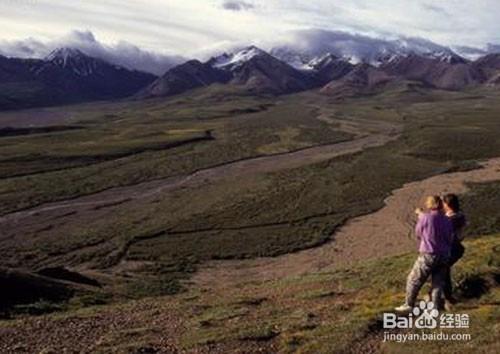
<point>425,266</point>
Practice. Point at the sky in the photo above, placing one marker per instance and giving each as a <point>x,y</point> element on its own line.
<point>190,27</point>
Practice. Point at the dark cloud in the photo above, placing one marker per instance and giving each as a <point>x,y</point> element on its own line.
<point>357,46</point>
<point>121,53</point>
<point>237,5</point>
<point>436,9</point>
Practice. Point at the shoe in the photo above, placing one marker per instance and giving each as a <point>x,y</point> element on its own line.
<point>403,308</point>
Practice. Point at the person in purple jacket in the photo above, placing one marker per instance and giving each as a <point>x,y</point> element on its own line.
<point>435,232</point>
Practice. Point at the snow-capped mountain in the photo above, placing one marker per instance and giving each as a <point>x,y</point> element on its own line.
<point>297,59</point>
<point>258,71</point>
<point>67,75</point>
<point>321,62</point>
<point>84,76</point>
<point>328,67</point>
<point>254,63</point>
<point>74,60</point>
<point>446,57</point>
<point>64,56</point>
<point>121,53</point>
<point>356,49</point>
<point>235,60</point>
<point>250,68</point>
<point>80,63</point>
<point>436,71</point>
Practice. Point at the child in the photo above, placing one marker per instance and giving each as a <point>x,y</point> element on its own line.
<point>434,230</point>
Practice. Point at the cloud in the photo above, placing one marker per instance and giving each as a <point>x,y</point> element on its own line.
<point>436,9</point>
<point>356,46</point>
<point>189,27</point>
<point>27,48</point>
<point>120,53</point>
<point>471,53</point>
<point>237,5</point>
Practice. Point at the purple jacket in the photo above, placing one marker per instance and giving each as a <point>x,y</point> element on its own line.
<point>435,231</point>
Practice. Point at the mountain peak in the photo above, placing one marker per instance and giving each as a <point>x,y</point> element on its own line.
<point>322,61</point>
<point>64,54</point>
<point>236,59</point>
<point>252,47</point>
<point>75,60</point>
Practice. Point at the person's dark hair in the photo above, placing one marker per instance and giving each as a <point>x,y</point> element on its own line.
<point>452,201</point>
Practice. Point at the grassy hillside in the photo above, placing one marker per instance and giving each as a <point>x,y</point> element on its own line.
<point>339,311</point>
<point>333,312</point>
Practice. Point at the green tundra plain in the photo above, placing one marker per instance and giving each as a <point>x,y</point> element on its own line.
<point>143,251</point>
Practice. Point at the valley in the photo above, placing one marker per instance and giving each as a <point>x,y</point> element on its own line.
<point>249,177</point>
<point>381,234</point>
<point>224,208</point>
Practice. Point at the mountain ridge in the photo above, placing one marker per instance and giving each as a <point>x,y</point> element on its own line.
<point>66,75</point>
<point>258,71</point>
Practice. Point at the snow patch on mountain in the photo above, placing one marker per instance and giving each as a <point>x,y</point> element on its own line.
<point>62,56</point>
<point>294,58</point>
<point>323,60</point>
<point>121,53</point>
<point>73,59</point>
<point>231,61</point>
<point>357,48</point>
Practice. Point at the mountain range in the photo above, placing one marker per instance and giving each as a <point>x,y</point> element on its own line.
<point>68,75</point>
<point>65,76</point>
<point>357,48</point>
<point>260,72</point>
